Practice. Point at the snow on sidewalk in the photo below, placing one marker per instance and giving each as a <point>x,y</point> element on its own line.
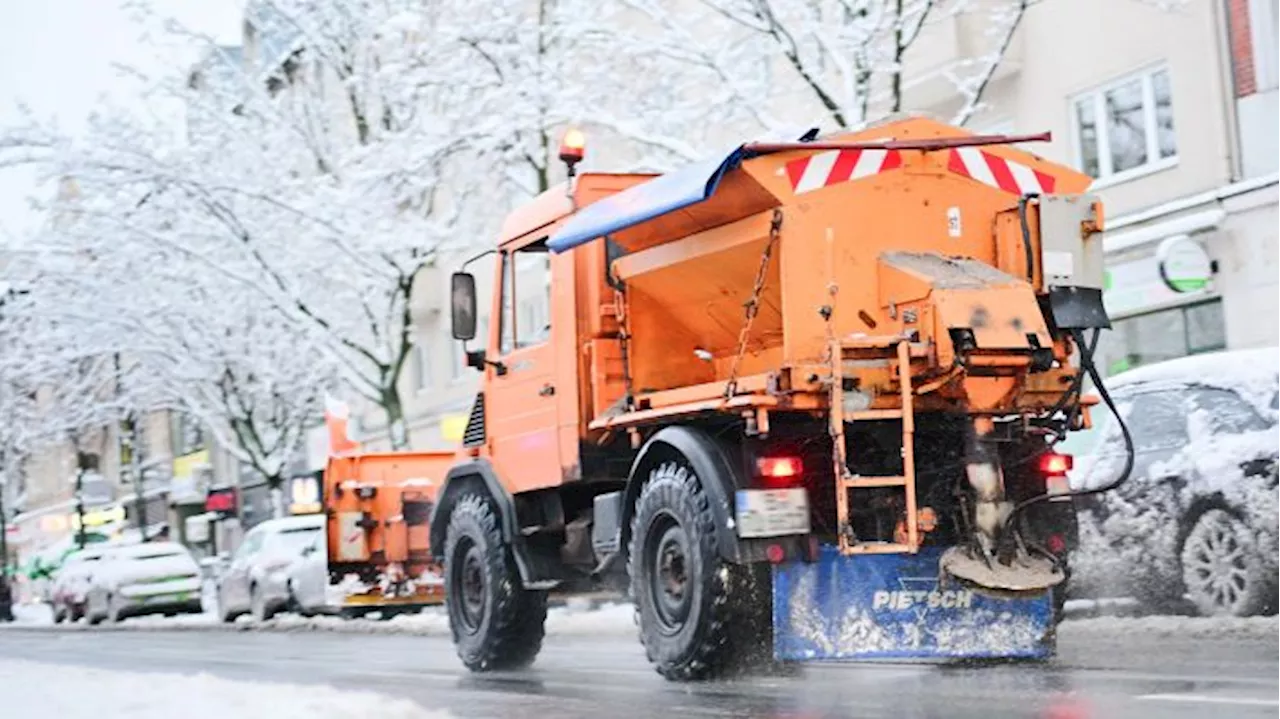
<point>1172,627</point>
<point>31,689</point>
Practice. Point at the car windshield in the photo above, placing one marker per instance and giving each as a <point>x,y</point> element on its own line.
<point>295,540</point>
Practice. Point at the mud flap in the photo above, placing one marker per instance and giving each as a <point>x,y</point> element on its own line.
<point>893,606</point>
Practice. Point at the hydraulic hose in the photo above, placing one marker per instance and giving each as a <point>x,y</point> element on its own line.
<point>1086,362</point>
<point>1026,234</point>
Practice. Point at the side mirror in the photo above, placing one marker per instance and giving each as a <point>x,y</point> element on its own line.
<point>463,303</point>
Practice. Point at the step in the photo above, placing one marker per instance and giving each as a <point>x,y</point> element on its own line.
<point>879,548</point>
<point>866,482</point>
<point>872,414</point>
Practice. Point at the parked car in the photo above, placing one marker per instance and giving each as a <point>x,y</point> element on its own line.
<point>71,583</point>
<point>308,579</point>
<point>256,581</point>
<point>150,578</point>
<point>1197,519</point>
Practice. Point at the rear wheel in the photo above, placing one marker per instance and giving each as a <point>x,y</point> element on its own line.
<point>114,613</point>
<point>258,604</point>
<point>224,612</point>
<point>1221,569</point>
<point>496,622</point>
<point>699,616</point>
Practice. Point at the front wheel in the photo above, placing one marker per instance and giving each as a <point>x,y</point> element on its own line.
<point>496,623</point>
<point>1221,569</point>
<point>699,615</point>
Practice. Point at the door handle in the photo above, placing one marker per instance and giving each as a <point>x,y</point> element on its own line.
<point>547,390</point>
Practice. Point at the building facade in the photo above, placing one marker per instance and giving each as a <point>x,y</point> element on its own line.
<point>1174,112</point>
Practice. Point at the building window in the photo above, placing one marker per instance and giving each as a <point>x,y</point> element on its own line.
<point>1163,335</point>
<point>1264,26</point>
<point>187,434</point>
<point>1125,128</point>
<point>422,378</point>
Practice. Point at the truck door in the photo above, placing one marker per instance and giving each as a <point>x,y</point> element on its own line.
<point>520,411</point>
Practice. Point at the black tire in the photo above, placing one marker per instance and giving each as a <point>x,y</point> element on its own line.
<point>58,615</point>
<point>258,605</point>
<point>700,617</point>
<point>224,614</point>
<point>496,623</point>
<point>114,614</point>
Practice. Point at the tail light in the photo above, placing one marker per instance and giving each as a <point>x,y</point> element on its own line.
<point>780,471</point>
<point>1054,467</point>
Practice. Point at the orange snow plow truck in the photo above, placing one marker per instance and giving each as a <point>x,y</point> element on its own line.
<point>798,401</point>
<point>378,506</point>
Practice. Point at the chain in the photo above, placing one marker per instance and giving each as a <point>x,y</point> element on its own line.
<point>620,302</point>
<point>753,305</point>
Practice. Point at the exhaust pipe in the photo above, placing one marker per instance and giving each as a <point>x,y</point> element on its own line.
<point>992,560</point>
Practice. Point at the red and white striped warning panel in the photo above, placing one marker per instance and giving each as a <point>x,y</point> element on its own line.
<point>998,172</point>
<point>828,168</point>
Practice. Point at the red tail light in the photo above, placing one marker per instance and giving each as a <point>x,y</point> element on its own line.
<point>1055,465</point>
<point>780,471</point>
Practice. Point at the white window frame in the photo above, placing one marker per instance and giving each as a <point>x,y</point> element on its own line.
<point>1263,36</point>
<point>1107,176</point>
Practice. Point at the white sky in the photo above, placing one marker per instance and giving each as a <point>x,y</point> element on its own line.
<point>56,56</point>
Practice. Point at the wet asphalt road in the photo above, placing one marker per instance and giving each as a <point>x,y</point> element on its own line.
<point>1094,676</point>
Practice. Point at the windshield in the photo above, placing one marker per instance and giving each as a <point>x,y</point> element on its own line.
<point>295,540</point>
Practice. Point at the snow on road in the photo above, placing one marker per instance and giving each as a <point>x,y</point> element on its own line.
<point>31,689</point>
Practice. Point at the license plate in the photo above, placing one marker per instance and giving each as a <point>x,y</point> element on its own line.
<point>168,598</point>
<point>772,512</point>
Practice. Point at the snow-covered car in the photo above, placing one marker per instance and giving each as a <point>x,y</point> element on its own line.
<point>71,583</point>
<point>257,579</point>
<point>150,578</point>
<point>1197,518</point>
<point>308,579</point>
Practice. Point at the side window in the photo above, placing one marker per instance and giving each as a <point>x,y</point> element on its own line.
<point>526,298</point>
<point>252,543</point>
<point>1221,411</point>
<point>1157,421</point>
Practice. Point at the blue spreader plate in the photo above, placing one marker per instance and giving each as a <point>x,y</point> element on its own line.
<point>892,606</point>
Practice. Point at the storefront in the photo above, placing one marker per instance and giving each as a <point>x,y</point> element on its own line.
<point>188,489</point>
<point>1162,294</point>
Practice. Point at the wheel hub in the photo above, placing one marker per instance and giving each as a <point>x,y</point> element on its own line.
<point>472,587</point>
<point>670,581</point>
<point>1217,564</point>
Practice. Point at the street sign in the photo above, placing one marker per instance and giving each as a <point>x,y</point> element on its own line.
<point>222,501</point>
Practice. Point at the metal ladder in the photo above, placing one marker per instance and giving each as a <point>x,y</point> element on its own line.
<point>897,349</point>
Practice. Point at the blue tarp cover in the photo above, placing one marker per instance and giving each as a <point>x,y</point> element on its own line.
<point>666,193</point>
